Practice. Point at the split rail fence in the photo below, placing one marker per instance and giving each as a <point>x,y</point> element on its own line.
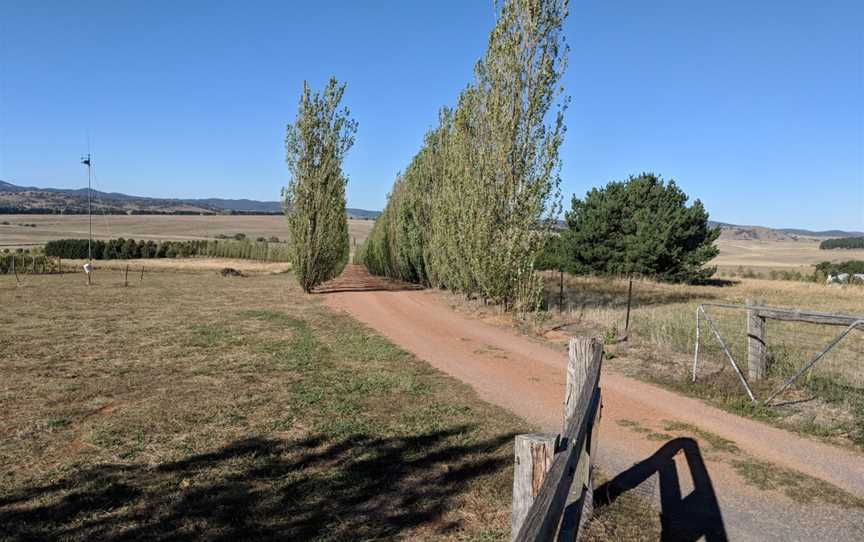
<point>552,478</point>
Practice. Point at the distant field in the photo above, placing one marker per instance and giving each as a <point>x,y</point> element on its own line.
<point>154,227</point>
<point>760,255</point>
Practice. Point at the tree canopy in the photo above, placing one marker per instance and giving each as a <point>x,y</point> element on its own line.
<point>640,226</point>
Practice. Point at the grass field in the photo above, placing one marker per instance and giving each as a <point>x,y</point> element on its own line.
<point>765,256</point>
<point>155,227</point>
<point>195,406</point>
<point>827,402</point>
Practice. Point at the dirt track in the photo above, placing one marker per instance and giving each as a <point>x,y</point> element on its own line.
<point>527,378</point>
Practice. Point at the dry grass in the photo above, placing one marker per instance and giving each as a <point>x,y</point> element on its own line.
<point>757,473</point>
<point>196,406</point>
<point>827,403</point>
<point>763,256</point>
<point>153,227</point>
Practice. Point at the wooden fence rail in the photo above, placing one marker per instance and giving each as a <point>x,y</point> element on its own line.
<point>552,479</point>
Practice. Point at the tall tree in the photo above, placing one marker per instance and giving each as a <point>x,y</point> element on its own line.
<point>316,144</point>
<point>640,226</point>
<point>470,211</point>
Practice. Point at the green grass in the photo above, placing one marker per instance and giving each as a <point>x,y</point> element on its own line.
<point>716,442</point>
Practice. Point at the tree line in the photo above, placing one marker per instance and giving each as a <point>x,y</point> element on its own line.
<point>127,249</point>
<point>472,210</point>
<point>843,242</point>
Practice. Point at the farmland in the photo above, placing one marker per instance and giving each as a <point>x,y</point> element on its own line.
<point>156,227</point>
<point>185,402</point>
<point>762,256</point>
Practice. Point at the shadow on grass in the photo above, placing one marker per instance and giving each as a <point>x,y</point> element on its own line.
<point>264,489</point>
<point>687,518</point>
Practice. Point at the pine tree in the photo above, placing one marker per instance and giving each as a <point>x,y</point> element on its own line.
<point>640,226</point>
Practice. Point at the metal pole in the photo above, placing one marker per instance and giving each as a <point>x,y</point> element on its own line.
<point>561,291</point>
<point>89,213</point>
<point>729,355</point>
<point>629,300</point>
<point>696,350</point>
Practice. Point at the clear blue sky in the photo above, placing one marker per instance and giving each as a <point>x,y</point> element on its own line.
<point>757,108</point>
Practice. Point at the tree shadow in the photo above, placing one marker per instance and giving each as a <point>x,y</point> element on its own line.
<point>264,489</point>
<point>682,518</point>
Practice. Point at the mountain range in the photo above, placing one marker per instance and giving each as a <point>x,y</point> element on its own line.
<point>33,200</point>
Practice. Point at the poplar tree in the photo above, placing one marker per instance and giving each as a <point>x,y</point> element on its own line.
<point>471,211</point>
<point>314,200</point>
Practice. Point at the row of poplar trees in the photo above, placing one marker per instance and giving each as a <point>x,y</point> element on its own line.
<point>472,210</point>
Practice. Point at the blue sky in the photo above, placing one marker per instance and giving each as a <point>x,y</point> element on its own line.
<point>756,108</point>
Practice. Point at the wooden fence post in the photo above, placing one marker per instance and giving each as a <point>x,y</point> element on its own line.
<point>533,457</point>
<point>584,353</point>
<point>756,350</point>
<point>126,276</point>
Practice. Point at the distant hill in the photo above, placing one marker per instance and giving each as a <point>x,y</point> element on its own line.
<point>761,233</point>
<point>33,200</point>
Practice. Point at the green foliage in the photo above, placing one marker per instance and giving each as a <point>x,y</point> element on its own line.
<point>851,266</point>
<point>472,210</point>
<point>845,242</point>
<point>123,249</point>
<point>316,144</point>
<point>553,256</point>
<point>640,226</point>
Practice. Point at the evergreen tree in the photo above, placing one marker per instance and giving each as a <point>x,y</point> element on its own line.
<point>640,226</point>
<point>316,144</point>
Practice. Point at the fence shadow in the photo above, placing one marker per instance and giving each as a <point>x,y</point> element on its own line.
<point>682,519</point>
<point>264,489</point>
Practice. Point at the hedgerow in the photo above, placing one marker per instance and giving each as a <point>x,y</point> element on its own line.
<point>126,249</point>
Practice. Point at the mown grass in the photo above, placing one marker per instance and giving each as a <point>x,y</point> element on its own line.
<point>192,406</point>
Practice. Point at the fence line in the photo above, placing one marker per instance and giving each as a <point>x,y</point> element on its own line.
<point>757,315</point>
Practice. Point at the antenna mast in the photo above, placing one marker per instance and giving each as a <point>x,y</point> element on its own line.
<point>86,161</point>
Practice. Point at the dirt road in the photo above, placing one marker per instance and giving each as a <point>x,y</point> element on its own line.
<point>527,378</point>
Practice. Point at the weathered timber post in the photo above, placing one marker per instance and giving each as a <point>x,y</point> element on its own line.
<point>142,273</point>
<point>533,457</point>
<point>757,365</point>
<point>584,353</point>
<point>126,276</point>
